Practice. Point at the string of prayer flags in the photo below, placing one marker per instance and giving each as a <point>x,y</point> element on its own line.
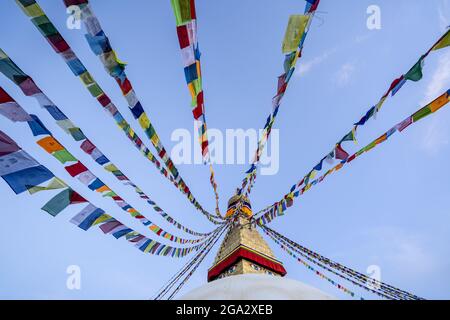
<point>101,46</point>
<point>92,216</point>
<point>356,278</point>
<point>186,22</point>
<point>78,69</point>
<point>361,280</point>
<point>295,35</point>
<point>309,267</point>
<point>88,217</point>
<point>414,74</point>
<point>271,212</point>
<point>86,145</point>
<point>382,287</point>
<point>78,170</point>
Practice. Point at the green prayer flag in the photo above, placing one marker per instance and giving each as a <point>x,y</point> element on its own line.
<point>422,113</point>
<point>44,26</point>
<point>110,194</point>
<point>58,203</point>
<point>150,131</point>
<point>182,11</point>
<point>95,90</point>
<point>370,146</point>
<point>64,156</point>
<point>77,134</point>
<point>349,137</point>
<point>294,32</point>
<point>445,42</point>
<point>415,74</point>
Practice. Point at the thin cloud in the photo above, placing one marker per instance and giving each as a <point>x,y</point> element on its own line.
<point>345,73</point>
<point>307,66</point>
<point>436,132</point>
<point>407,251</point>
<point>440,79</point>
<point>435,137</point>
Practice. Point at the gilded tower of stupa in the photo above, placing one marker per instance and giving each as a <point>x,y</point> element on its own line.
<point>243,249</point>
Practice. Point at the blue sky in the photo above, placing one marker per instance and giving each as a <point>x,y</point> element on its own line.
<point>389,208</point>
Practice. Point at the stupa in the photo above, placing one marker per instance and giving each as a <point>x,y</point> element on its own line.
<point>245,268</point>
<point>243,250</point>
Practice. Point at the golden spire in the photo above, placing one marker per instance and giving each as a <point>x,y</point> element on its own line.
<point>243,249</point>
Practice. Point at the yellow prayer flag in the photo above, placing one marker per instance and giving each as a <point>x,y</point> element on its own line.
<point>111,167</point>
<point>380,104</point>
<point>54,184</point>
<point>101,219</point>
<point>86,78</point>
<point>118,60</point>
<point>144,121</point>
<point>33,10</point>
<point>294,32</point>
<point>155,139</point>
<point>445,42</point>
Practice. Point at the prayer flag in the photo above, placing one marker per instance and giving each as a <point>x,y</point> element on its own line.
<point>14,112</point>
<point>16,161</point>
<point>50,144</point>
<point>22,180</point>
<point>54,184</point>
<point>58,203</point>
<point>340,153</point>
<point>294,31</point>
<point>86,218</point>
<point>443,42</point>
<point>415,73</point>
<point>183,11</point>
<point>7,145</point>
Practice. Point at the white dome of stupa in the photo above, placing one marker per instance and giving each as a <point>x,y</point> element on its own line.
<point>256,287</point>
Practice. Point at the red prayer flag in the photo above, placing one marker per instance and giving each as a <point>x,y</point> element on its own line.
<point>4,96</point>
<point>183,36</point>
<point>104,100</point>
<point>76,169</point>
<point>87,146</point>
<point>76,198</point>
<point>125,86</point>
<point>340,153</point>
